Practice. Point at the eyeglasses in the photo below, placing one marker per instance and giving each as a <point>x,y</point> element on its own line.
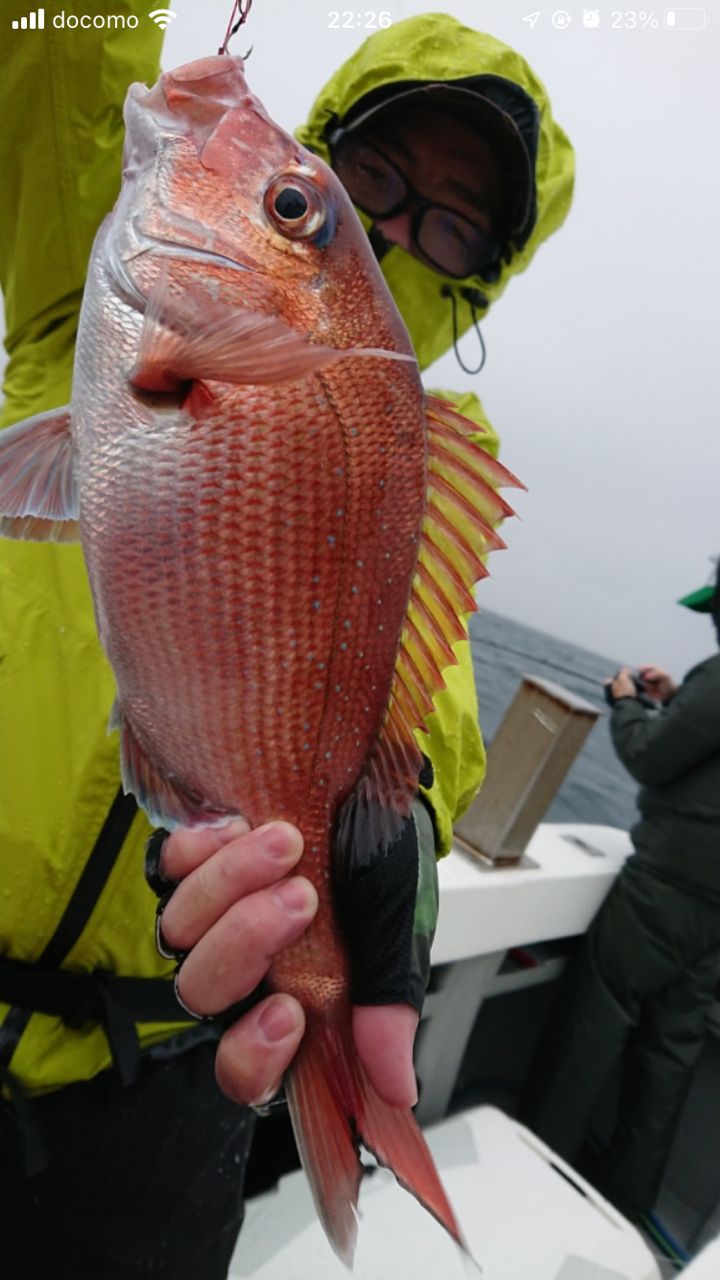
<point>451,243</point>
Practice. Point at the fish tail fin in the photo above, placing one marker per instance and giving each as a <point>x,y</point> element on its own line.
<point>334,1110</point>
<point>321,1109</point>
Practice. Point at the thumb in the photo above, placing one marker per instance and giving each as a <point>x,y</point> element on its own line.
<point>384,1037</point>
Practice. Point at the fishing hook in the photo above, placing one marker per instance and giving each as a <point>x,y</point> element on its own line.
<point>242,9</point>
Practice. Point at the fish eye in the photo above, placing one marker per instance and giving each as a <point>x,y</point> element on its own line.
<point>290,204</point>
<point>295,207</point>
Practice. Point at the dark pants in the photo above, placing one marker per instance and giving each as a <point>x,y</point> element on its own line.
<point>142,1181</point>
<point>636,998</point>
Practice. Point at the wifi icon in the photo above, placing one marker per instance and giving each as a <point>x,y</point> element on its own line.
<point>163,17</point>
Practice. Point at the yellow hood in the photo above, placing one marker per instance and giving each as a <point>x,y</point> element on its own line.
<point>424,49</point>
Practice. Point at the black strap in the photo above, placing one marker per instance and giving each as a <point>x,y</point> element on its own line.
<point>82,997</point>
<point>76,914</point>
<point>92,880</point>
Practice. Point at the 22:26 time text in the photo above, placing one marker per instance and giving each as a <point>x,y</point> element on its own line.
<point>370,20</point>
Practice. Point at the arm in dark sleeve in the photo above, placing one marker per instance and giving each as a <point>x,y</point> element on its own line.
<point>658,750</point>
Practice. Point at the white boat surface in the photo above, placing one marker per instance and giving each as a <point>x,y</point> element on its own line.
<point>525,1215</point>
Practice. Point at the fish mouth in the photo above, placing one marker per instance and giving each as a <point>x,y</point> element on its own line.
<point>188,103</point>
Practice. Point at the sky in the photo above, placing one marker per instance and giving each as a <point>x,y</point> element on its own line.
<point>602,371</point>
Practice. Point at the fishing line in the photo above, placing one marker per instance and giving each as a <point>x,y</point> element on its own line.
<point>242,9</point>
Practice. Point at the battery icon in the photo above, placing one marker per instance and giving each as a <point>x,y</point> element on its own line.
<point>685,19</point>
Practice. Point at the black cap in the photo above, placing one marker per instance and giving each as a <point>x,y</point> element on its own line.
<point>495,126</point>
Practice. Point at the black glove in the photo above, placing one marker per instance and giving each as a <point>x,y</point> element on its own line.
<point>388,912</point>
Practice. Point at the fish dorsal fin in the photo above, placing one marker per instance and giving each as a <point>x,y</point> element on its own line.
<point>462,505</point>
<point>201,338</point>
<point>38,496</point>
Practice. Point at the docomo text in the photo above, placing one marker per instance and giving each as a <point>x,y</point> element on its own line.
<point>86,21</point>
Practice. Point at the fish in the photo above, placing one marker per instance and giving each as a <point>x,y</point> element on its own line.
<point>282,533</point>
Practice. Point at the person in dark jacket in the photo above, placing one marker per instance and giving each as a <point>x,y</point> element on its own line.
<point>639,992</point>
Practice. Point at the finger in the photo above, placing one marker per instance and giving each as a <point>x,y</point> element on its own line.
<point>252,861</point>
<point>384,1037</point>
<point>255,1052</point>
<point>186,848</point>
<point>229,961</point>
<point>653,676</point>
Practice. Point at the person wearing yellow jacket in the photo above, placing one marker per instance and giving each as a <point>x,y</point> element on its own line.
<point>81,983</point>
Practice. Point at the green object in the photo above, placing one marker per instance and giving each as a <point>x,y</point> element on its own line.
<point>428,897</point>
<point>701,601</point>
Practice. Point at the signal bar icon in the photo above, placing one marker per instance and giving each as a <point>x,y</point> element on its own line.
<point>35,21</point>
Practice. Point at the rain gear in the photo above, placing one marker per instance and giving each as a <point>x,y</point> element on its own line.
<point>60,812</point>
<point>424,50</point>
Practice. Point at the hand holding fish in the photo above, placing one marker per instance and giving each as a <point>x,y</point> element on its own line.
<point>228,914</point>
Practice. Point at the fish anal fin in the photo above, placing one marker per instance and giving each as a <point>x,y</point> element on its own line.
<point>166,801</point>
<point>38,496</point>
<point>334,1108</point>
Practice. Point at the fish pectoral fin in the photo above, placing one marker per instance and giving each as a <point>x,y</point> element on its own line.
<point>195,337</point>
<point>334,1107</point>
<point>38,495</point>
<point>165,799</point>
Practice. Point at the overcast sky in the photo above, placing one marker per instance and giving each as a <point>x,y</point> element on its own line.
<point>602,372</point>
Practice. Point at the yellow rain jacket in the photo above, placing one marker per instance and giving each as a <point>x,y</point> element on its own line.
<point>72,891</point>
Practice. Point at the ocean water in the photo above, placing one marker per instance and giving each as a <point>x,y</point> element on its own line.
<point>597,787</point>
